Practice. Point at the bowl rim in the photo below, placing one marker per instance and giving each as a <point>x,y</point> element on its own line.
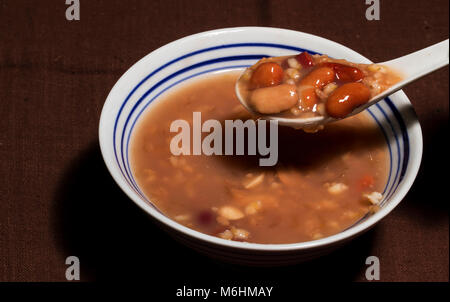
<point>414,160</point>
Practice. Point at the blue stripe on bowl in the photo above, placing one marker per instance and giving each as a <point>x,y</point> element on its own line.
<point>398,150</point>
<point>386,137</point>
<point>405,136</point>
<point>125,163</point>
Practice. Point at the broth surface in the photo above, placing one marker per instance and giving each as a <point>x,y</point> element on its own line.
<point>318,187</point>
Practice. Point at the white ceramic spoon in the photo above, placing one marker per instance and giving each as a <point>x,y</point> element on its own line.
<point>412,67</point>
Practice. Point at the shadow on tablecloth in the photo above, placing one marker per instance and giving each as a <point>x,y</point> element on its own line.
<point>115,240</point>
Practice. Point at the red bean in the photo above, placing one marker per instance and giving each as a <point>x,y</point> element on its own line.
<point>318,78</point>
<point>305,59</point>
<point>346,73</point>
<point>346,98</point>
<point>266,75</point>
<point>205,217</point>
<point>308,97</point>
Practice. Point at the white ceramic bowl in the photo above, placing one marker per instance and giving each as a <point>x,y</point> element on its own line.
<point>230,48</point>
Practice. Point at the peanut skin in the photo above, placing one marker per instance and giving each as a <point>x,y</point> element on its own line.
<point>346,98</point>
<point>274,99</point>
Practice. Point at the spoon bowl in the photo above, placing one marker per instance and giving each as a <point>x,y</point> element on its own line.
<point>411,67</point>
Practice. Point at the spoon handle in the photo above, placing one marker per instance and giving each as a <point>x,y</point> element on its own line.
<point>422,62</point>
<point>412,67</point>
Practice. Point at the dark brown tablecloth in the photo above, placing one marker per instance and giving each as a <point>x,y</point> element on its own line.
<point>57,198</point>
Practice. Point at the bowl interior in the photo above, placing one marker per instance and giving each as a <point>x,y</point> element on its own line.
<point>169,67</point>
